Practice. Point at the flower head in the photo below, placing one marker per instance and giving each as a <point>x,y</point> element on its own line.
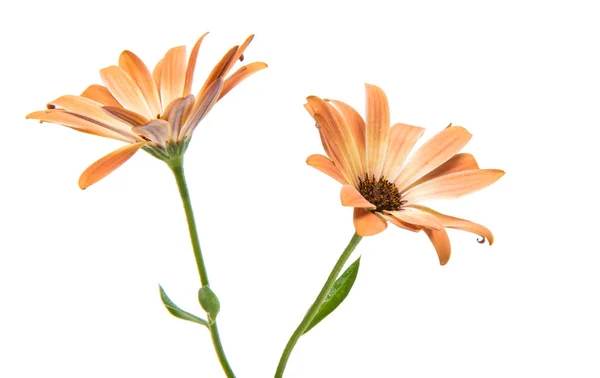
<point>155,111</point>
<point>370,160</point>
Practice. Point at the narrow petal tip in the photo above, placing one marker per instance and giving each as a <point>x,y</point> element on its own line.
<point>103,167</point>
<point>367,85</point>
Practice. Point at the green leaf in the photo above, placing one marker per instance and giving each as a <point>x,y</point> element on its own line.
<point>339,291</point>
<point>177,312</point>
<point>209,302</point>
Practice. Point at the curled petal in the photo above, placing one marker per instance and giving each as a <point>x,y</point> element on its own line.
<point>441,243</point>
<point>323,164</point>
<point>352,198</point>
<point>460,224</point>
<point>107,164</point>
<point>366,223</point>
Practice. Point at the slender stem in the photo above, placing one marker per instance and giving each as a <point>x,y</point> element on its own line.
<point>177,168</point>
<point>312,311</point>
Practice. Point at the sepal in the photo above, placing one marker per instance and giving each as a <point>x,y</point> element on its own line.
<point>171,151</point>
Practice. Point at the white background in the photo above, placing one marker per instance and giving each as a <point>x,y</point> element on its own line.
<point>79,270</point>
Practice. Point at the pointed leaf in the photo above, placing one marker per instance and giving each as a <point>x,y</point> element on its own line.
<point>337,294</point>
<point>177,312</point>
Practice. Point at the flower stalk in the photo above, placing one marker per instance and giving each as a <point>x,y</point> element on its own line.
<point>314,308</point>
<point>176,165</point>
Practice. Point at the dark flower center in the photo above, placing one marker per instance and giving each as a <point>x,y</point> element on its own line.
<point>380,193</point>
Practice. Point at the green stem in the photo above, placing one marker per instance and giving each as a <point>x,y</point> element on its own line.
<point>316,305</point>
<point>176,166</point>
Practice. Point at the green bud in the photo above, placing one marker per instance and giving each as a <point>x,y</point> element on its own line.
<point>209,302</point>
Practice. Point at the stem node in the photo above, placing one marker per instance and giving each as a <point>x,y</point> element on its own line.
<point>176,166</point>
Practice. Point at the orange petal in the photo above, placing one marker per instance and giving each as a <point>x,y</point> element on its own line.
<point>100,94</point>
<point>92,110</point>
<point>357,127</point>
<point>107,164</point>
<point>352,198</point>
<point>397,222</point>
<point>65,118</point>
<point>441,242</point>
<point>157,130</point>
<point>311,111</point>
<point>201,108</point>
<point>460,224</point>
<point>240,75</point>
<point>432,154</point>
<point>347,137</point>
<point>402,140</point>
<point>191,66</point>
<point>239,53</point>
<point>243,47</point>
<point>338,138</point>
<point>417,218</point>
<point>125,90</point>
<point>128,116</point>
<point>366,223</point>
<point>177,112</point>
<point>458,163</point>
<point>172,78</point>
<point>156,75</point>
<point>219,70</point>
<point>139,73</point>
<point>453,185</point>
<point>323,164</point>
<point>377,129</point>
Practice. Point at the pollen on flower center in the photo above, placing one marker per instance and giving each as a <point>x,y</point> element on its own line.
<point>380,193</point>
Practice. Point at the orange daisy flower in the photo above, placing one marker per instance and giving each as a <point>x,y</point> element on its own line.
<point>154,111</point>
<point>369,160</point>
